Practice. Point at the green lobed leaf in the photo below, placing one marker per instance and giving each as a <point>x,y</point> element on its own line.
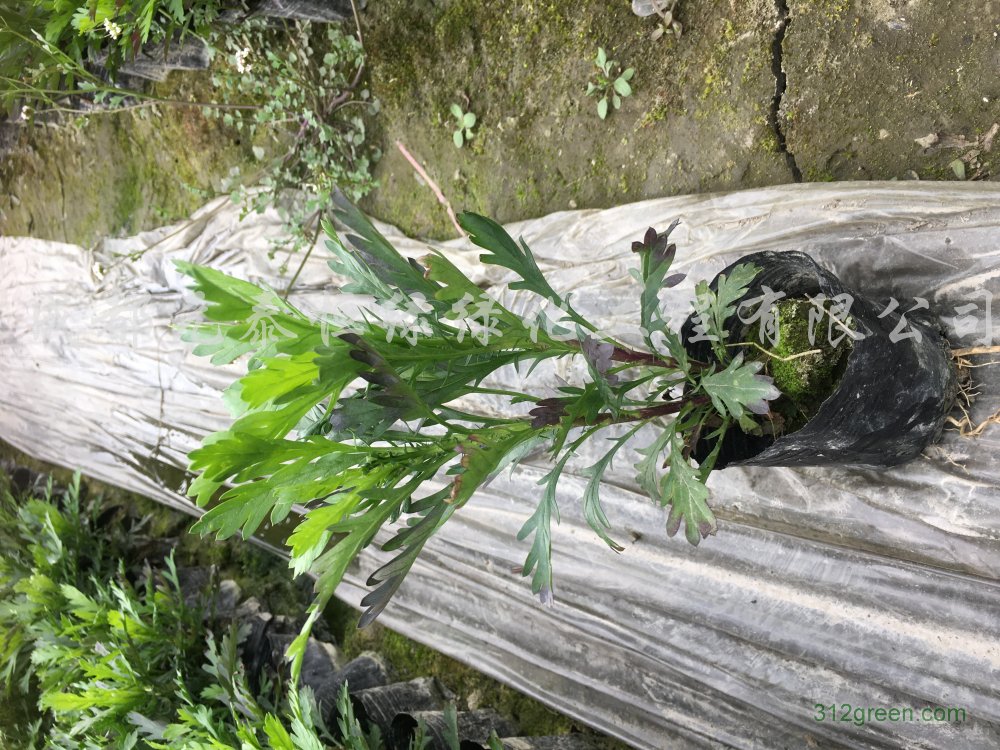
<point>483,456</point>
<point>647,468</point>
<point>739,388</point>
<point>372,250</point>
<point>539,525</point>
<point>687,495</point>
<point>592,509</point>
<point>501,250</point>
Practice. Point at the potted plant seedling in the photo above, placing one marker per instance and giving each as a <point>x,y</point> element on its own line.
<point>357,419</point>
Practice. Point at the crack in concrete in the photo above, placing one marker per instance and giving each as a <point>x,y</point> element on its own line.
<point>774,118</point>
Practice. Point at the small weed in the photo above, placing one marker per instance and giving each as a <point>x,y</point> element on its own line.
<point>612,83</point>
<point>667,23</point>
<point>466,122</point>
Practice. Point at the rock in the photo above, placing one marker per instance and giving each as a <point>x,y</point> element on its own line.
<point>156,61</point>
<point>367,670</point>
<point>306,10</point>
<point>199,589</point>
<point>474,728</point>
<point>561,742</point>
<point>378,706</point>
<point>321,659</point>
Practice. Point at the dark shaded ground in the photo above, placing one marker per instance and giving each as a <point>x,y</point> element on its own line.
<point>255,571</point>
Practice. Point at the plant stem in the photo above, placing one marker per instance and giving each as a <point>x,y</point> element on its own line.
<point>789,358</point>
<point>968,351</point>
<point>308,253</point>
<point>433,186</point>
<point>651,412</point>
<point>621,354</point>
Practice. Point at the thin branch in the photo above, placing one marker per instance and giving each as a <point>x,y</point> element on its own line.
<point>788,358</point>
<point>975,350</point>
<point>302,265</point>
<point>651,412</point>
<point>433,186</point>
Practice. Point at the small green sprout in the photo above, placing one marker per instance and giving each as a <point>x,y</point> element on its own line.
<point>466,122</point>
<point>667,24</point>
<point>612,83</point>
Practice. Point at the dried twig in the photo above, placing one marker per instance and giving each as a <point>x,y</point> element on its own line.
<point>433,185</point>
<point>975,350</point>
<point>787,358</point>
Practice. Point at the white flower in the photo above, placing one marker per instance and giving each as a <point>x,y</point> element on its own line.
<point>113,29</point>
<point>25,112</point>
<point>242,65</point>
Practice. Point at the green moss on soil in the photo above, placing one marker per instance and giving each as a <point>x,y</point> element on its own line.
<point>540,147</point>
<point>118,174</point>
<point>857,69</point>
<point>805,380</point>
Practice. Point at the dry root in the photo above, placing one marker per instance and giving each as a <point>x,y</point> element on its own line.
<point>968,430</point>
<point>966,427</point>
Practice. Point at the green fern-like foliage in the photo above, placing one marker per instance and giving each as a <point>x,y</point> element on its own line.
<point>351,420</point>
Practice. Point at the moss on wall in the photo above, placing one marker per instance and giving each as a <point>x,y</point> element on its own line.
<point>696,120</point>
<point>867,78</point>
<point>119,173</point>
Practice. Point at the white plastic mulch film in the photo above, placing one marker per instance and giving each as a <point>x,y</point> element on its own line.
<point>854,589</point>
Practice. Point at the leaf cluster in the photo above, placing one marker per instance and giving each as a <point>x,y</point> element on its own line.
<point>112,31</point>
<point>667,23</point>
<point>611,85</point>
<point>465,121</point>
<point>305,120</point>
<point>120,664</point>
<point>360,427</point>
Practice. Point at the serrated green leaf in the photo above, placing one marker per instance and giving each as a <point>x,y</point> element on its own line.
<point>593,511</point>
<point>483,456</point>
<point>309,538</point>
<point>453,284</point>
<point>376,254</point>
<point>648,468</point>
<point>539,526</point>
<point>739,388</point>
<point>688,498</point>
<point>716,306</point>
<point>277,736</point>
<point>501,250</point>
